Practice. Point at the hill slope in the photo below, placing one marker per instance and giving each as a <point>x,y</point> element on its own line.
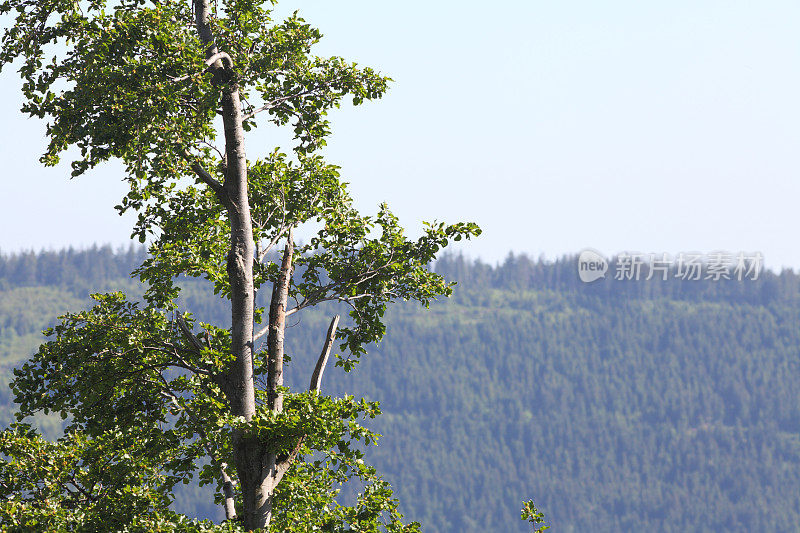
<point>618,407</point>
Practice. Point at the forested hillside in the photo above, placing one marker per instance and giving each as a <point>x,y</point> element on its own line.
<point>618,406</point>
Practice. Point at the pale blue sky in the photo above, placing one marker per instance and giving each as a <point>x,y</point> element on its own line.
<point>646,126</point>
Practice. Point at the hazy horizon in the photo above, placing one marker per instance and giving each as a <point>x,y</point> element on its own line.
<point>556,127</point>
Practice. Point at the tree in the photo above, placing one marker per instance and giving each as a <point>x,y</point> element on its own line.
<point>149,391</point>
<point>533,516</point>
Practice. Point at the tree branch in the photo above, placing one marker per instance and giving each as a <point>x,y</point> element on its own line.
<point>316,376</point>
<point>312,299</point>
<point>283,464</point>
<point>220,56</point>
<point>281,229</point>
<point>311,303</point>
<point>206,178</point>
<point>227,482</point>
<point>261,333</point>
<point>193,340</point>
<point>277,325</point>
<point>271,243</point>
<point>278,101</point>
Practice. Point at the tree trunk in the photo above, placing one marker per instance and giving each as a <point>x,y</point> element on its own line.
<point>256,482</point>
<point>277,327</point>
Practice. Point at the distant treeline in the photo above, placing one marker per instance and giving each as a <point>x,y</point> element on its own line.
<point>82,269</point>
<point>521,273</point>
<point>71,269</point>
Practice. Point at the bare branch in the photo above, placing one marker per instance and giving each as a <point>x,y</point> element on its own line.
<point>273,104</point>
<point>261,257</point>
<point>311,303</point>
<point>311,299</point>
<point>218,56</point>
<point>223,56</point>
<point>278,101</point>
<point>316,377</point>
<point>282,466</point>
<point>179,78</point>
<point>206,178</point>
<point>277,325</point>
<point>278,235</point>
<point>193,340</point>
<point>262,332</point>
<point>221,155</point>
<point>272,243</point>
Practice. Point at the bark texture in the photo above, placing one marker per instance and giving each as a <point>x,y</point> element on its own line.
<point>316,376</point>
<point>258,469</point>
<point>277,327</point>
<point>239,384</point>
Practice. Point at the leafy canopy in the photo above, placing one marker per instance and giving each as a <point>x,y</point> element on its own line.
<point>144,398</point>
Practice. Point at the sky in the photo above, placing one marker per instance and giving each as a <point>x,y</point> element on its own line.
<point>661,127</point>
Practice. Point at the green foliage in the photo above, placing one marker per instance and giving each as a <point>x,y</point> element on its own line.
<point>137,81</point>
<point>533,515</point>
<point>84,484</point>
<point>307,498</point>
